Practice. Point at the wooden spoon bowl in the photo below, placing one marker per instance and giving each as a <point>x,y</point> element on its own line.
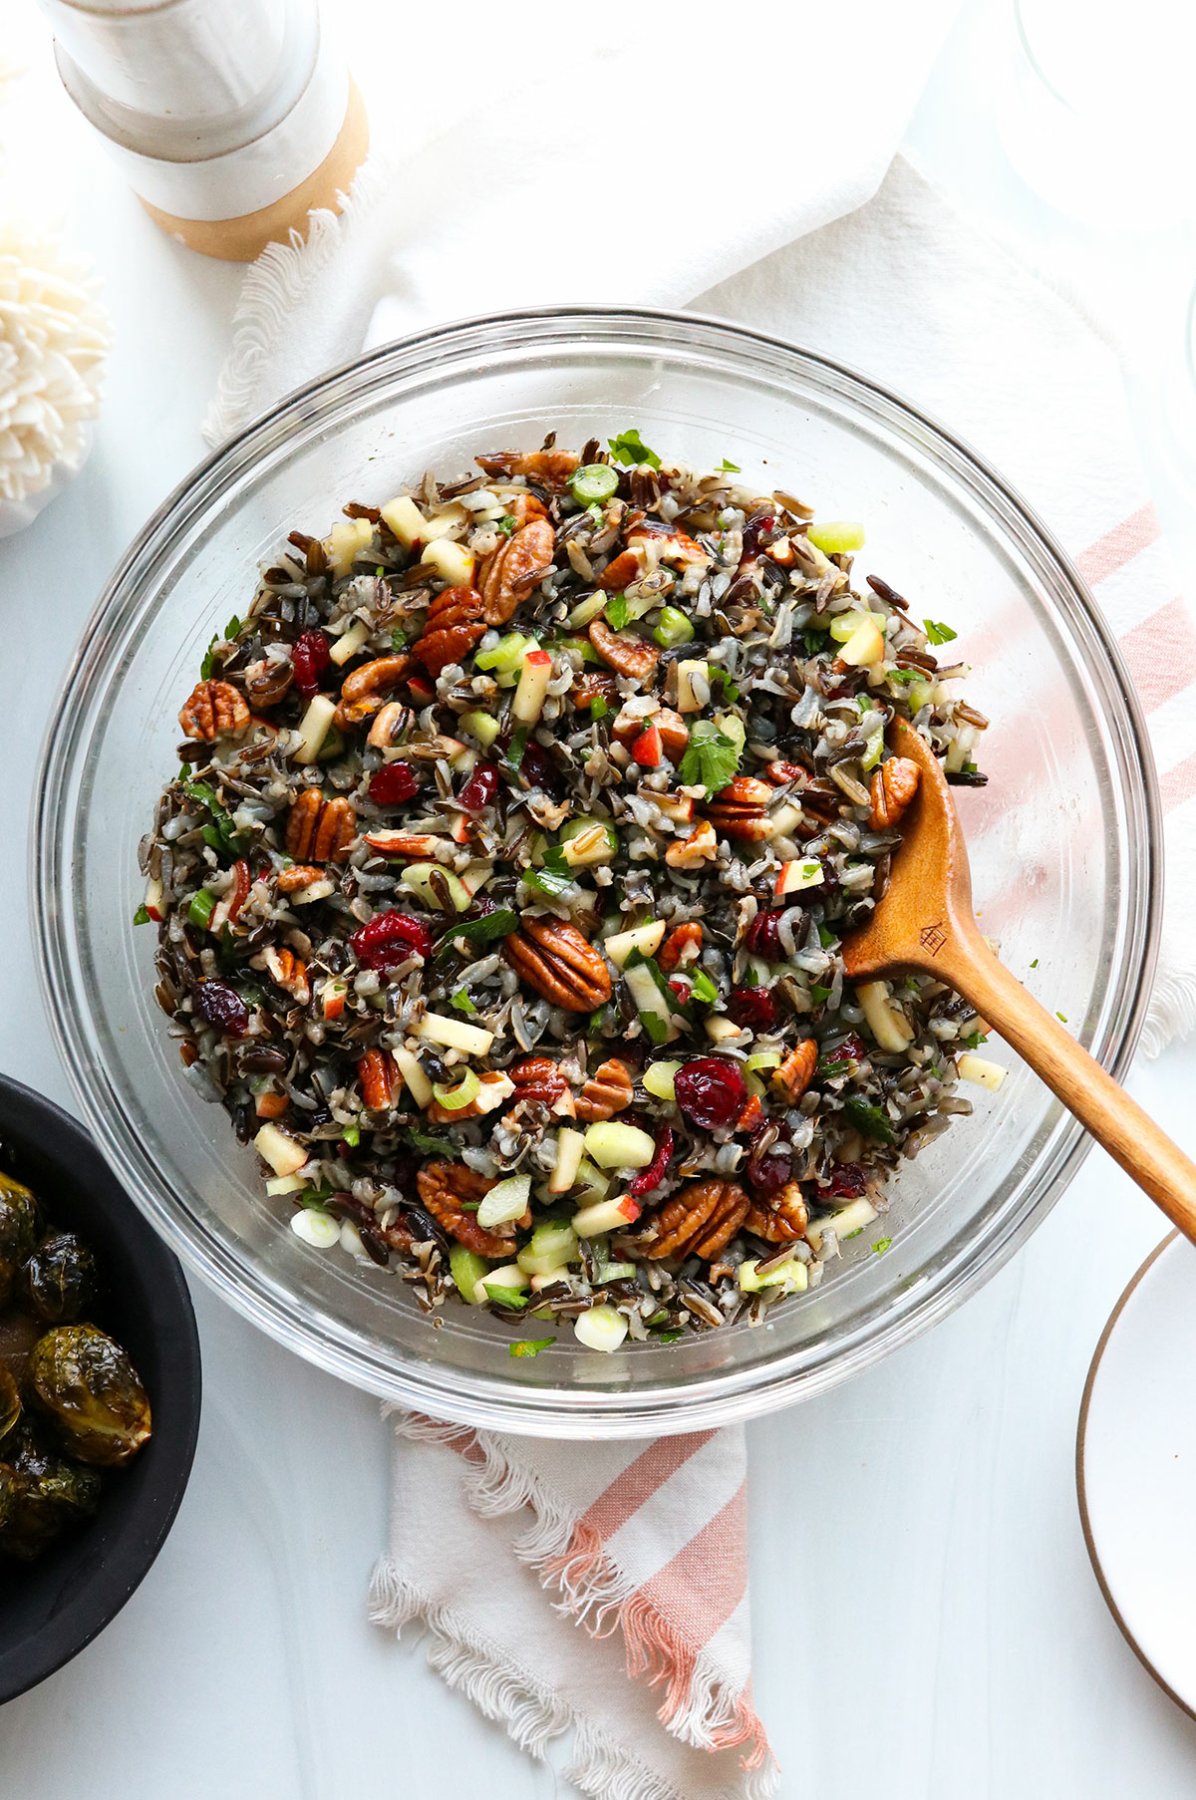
<point>925,923</point>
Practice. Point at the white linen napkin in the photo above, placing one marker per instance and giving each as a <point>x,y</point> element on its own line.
<point>646,1546</point>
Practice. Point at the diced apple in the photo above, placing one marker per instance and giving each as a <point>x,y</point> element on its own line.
<point>343,543</point>
<point>687,700</point>
<point>865,646</point>
<point>659,1078</point>
<point>790,1276</point>
<point>607,1215</point>
<point>453,561</point>
<point>282,1153</point>
<point>569,1146</point>
<point>414,1079</point>
<point>314,728</point>
<point>796,875</point>
<point>616,1146</point>
<point>784,820</point>
<point>510,1275</point>
<point>647,750</point>
<point>719,1029</point>
<point>443,524</point>
<point>406,520</point>
<point>891,1029</point>
<point>153,902</point>
<point>350,642</point>
<point>644,938</point>
<point>475,876</point>
<point>984,1073</point>
<point>845,1223</point>
<point>647,997</point>
<point>333,995</point>
<point>455,1034</point>
<point>590,846</point>
<point>532,690</point>
<point>285,1184</point>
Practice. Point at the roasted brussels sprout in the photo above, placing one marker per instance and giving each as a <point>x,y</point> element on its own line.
<point>10,1402</point>
<point>86,1383</point>
<point>41,1495</point>
<point>20,1228</point>
<point>60,1280</point>
<point>18,1334</point>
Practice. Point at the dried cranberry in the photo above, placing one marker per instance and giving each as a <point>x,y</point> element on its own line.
<point>763,936</point>
<point>222,1006</point>
<point>390,937</point>
<point>481,789</point>
<point>710,1090</point>
<point>309,659</point>
<point>394,783</point>
<point>761,524</point>
<point>847,1181</point>
<point>650,1178</point>
<point>753,1007</point>
<point>479,906</point>
<point>852,1049</point>
<point>680,988</point>
<point>537,766</point>
<point>768,1174</point>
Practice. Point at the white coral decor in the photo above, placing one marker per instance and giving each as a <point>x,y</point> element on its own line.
<point>53,339</point>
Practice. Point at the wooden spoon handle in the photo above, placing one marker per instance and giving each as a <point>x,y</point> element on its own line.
<point>1131,1138</point>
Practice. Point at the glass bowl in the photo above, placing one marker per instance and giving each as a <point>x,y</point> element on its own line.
<point>1065,839</point>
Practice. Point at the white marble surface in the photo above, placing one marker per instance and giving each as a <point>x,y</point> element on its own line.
<point>926,1624</point>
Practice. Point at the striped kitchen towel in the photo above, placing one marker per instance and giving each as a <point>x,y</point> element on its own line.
<point>502,1547</point>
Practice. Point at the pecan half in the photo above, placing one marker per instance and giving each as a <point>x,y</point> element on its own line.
<point>592,686</point>
<point>421,844</point>
<point>796,1073</point>
<point>699,1220</point>
<point>894,785</point>
<point>494,1086</point>
<point>740,810</point>
<point>453,625</point>
<point>447,1189</point>
<point>214,709</point>
<point>320,830</point>
<point>363,692</point>
<point>620,571</point>
<point>378,1078</point>
<point>551,468</point>
<point>300,875</point>
<point>540,1078</point>
<point>681,947</point>
<point>509,573</point>
<point>781,1219</point>
<point>289,971</point>
<point>608,1091</point>
<point>556,961</point>
<point>625,654</point>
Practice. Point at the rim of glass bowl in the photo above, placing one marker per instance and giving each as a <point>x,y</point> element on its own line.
<point>492,1400</point>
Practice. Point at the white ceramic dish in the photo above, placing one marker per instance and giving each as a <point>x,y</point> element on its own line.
<point>1136,1466</point>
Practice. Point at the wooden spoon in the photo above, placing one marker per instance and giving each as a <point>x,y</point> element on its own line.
<point>925,923</point>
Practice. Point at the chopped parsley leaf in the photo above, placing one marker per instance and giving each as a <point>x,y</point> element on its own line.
<point>1062,1017</point>
<point>711,758</point>
<point>598,707</point>
<point>141,916</point>
<point>506,525</point>
<point>881,1245</point>
<point>462,1003</point>
<point>703,988</point>
<point>529,1346</point>
<point>728,468</point>
<point>1034,964</point>
<point>617,611</point>
<point>630,450</point>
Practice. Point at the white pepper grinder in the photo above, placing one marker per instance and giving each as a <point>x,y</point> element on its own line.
<point>232,118</point>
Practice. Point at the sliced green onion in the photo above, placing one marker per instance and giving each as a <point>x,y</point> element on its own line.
<point>598,707</point>
<point>201,908</point>
<point>587,609</point>
<point>454,1098</point>
<point>703,989</point>
<point>505,1201</point>
<point>672,628</point>
<point>503,1296</point>
<point>507,655</point>
<point>593,482</point>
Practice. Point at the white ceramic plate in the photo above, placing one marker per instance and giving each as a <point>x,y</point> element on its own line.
<point>1136,1466</point>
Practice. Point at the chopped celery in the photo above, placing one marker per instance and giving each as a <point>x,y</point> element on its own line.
<point>672,628</point>
<point>507,656</point>
<point>837,537</point>
<point>593,482</point>
<point>467,1270</point>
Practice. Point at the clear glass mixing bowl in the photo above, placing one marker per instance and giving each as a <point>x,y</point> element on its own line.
<point>1065,840</point>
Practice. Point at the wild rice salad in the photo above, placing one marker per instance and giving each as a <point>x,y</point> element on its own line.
<point>501,890</point>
